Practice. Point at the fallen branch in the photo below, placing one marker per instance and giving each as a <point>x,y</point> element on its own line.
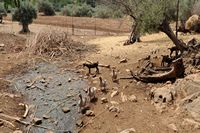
<point>7,122</point>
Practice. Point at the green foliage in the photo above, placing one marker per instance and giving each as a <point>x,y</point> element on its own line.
<point>2,9</point>
<point>67,10</point>
<point>46,7</point>
<point>196,8</point>
<point>83,10</point>
<point>25,13</point>
<point>106,12</point>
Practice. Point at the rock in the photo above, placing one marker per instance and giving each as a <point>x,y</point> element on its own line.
<point>17,131</point>
<point>45,116</point>
<point>1,111</point>
<point>173,127</point>
<point>132,98</point>
<point>37,121</point>
<point>114,103</point>
<point>168,82</point>
<point>79,123</point>
<point>114,109</point>
<point>123,61</point>
<point>60,84</point>
<point>104,100</point>
<point>130,130</point>
<point>123,97</point>
<point>42,81</point>
<point>114,93</point>
<point>115,88</point>
<point>65,109</point>
<point>1,123</point>
<point>69,80</point>
<point>2,45</point>
<point>89,113</point>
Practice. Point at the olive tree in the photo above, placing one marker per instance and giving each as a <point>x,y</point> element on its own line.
<point>24,15</point>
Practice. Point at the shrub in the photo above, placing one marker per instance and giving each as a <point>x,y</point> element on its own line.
<point>46,7</point>
<point>67,10</point>
<point>83,10</point>
<point>24,15</point>
<point>106,12</point>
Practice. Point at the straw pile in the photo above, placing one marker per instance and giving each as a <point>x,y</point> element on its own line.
<point>54,43</point>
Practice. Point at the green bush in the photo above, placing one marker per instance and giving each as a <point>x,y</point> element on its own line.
<point>67,10</point>
<point>106,12</point>
<point>2,9</point>
<point>196,8</point>
<point>46,7</point>
<point>24,15</point>
<point>83,10</point>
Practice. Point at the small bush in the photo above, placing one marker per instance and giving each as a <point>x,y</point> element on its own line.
<point>83,10</point>
<point>46,7</point>
<point>106,12</point>
<point>67,10</point>
<point>2,9</point>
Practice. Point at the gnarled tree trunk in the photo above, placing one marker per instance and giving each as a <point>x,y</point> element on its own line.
<point>135,35</point>
<point>25,28</point>
<point>164,27</point>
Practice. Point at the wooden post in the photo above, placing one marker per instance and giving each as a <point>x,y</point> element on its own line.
<point>177,13</point>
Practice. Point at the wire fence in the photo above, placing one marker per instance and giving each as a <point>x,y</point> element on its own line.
<point>82,26</point>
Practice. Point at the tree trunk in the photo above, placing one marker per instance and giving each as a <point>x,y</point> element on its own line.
<point>164,27</point>
<point>25,29</point>
<point>135,35</point>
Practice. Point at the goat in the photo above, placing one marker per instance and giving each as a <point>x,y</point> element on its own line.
<point>82,103</point>
<point>92,65</point>
<point>102,84</point>
<point>172,49</point>
<point>166,59</point>
<point>91,92</point>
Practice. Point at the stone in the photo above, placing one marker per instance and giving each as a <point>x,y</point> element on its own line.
<point>49,131</point>
<point>37,121</point>
<point>1,123</point>
<point>1,111</point>
<point>2,45</point>
<point>45,116</point>
<point>173,127</point>
<point>114,103</point>
<point>104,100</point>
<point>79,123</point>
<point>69,80</point>
<point>114,109</point>
<point>65,109</point>
<point>123,61</point>
<point>132,98</point>
<point>130,130</point>
<point>123,97</point>
<point>168,82</point>
<point>114,93</point>
<point>17,131</point>
<point>89,113</point>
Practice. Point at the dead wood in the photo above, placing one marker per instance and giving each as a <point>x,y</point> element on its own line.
<point>7,122</point>
<point>176,71</point>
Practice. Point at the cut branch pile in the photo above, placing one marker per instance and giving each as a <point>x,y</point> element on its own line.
<point>54,43</point>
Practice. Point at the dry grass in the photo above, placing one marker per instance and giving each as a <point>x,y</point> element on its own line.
<point>54,43</point>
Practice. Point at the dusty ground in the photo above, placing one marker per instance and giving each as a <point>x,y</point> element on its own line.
<point>140,115</point>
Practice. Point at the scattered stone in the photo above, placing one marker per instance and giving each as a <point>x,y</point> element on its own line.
<point>17,131</point>
<point>104,100</point>
<point>130,130</point>
<point>46,116</point>
<point>2,45</point>
<point>49,131</point>
<point>74,104</point>
<point>89,113</point>
<point>60,84</point>
<point>114,109</point>
<point>37,121</point>
<point>114,103</point>
<point>123,97</point>
<point>168,82</point>
<point>1,123</point>
<point>43,81</point>
<point>191,122</point>
<point>65,109</point>
<point>114,93</point>
<point>173,127</point>
<point>79,123</point>
<point>69,80</point>
<point>1,111</point>
<point>132,98</point>
<point>123,61</point>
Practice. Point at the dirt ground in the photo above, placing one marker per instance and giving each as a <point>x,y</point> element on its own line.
<point>140,115</point>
